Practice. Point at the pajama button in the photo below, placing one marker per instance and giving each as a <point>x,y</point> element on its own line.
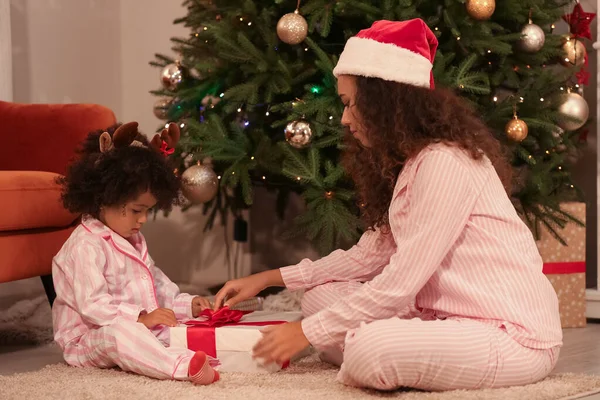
<point>144,277</point>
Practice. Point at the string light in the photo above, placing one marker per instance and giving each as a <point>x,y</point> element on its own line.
<point>267,113</point>
<point>219,177</point>
<point>521,99</point>
<point>246,123</point>
<point>559,168</point>
<point>167,125</point>
<point>241,19</point>
<point>489,51</point>
<point>233,173</point>
<point>541,99</point>
<point>330,117</point>
<point>182,125</point>
<point>206,28</point>
<point>495,98</point>
<point>489,62</point>
<point>553,26</point>
<point>458,38</point>
<point>298,178</point>
<point>250,23</point>
<point>264,177</point>
<point>222,95</point>
<point>306,49</point>
<point>437,29</point>
<point>547,151</point>
<point>197,35</point>
<point>572,186</point>
<point>239,110</point>
<point>577,85</point>
<point>252,158</point>
<point>562,88</point>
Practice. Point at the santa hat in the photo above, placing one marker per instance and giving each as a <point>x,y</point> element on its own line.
<point>399,51</point>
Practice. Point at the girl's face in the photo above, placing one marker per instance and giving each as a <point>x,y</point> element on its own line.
<point>351,117</point>
<point>128,219</point>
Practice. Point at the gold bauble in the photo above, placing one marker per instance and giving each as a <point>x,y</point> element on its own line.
<point>516,129</point>
<point>298,134</point>
<point>573,53</point>
<point>481,9</point>
<point>292,28</point>
<point>199,183</point>
<point>161,108</point>
<point>171,76</point>
<point>573,106</point>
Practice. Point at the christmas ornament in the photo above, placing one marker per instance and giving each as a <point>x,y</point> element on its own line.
<point>161,108</point>
<point>533,38</point>
<point>292,28</point>
<point>199,183</point>
<point>574,53</point>
<point>481,9</point>
<point>516,129</point>
<point>573,106</point>
<point>171,76</point>
<point>298,134</point>
<point>579,22</point>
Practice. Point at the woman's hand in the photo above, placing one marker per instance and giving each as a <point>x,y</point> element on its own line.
<point>242,289</point>
<point>280,343</point>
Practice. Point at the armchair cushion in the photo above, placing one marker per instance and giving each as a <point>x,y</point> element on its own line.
<point>31,200</point>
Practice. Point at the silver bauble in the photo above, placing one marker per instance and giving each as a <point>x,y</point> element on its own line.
<point>298,134</point>
<point>533,38</point>
<point>171,76</point>
<point>292,28</point>
<point>199,183</point>
<point>161,108</point>
<point>573,106</point>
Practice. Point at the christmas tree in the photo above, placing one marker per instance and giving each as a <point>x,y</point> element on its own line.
<point>254,93</point>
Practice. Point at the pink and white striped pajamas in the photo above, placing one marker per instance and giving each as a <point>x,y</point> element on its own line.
<point>453,298</point>
<point>103,282</point>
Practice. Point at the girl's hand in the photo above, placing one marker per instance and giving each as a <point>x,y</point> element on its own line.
<point>280,343</point>
<point>160,316</point>
<point>199,304</point>
<point>241,289</point>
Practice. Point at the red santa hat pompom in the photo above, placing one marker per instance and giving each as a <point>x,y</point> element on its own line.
<point>399,51</point>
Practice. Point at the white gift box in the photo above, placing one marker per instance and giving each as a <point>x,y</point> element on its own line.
<point>232,343</point>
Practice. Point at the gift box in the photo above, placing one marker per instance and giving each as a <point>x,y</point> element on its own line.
<point>228,336</point>
<point>565,266</point>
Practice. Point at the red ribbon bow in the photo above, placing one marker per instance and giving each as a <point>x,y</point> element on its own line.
<point>221,317</point>
<point>164,149</point>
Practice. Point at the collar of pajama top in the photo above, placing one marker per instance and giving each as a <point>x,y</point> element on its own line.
<point>125,246</point>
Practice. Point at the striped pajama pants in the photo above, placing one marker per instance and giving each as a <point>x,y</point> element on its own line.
<point>407,351</point>
<point>132,347</point>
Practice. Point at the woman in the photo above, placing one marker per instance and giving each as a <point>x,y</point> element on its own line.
<point>446,290</point>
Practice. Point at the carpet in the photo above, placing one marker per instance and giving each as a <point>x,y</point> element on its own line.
<point>308,379</point>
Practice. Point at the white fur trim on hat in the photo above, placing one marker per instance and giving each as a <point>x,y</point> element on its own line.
<point>373,59</point>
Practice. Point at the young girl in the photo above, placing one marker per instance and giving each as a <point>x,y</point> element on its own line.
<point>114,307</point>
<point>453,294</point>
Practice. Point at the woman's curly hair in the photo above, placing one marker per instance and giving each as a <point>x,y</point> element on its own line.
<point>400,120</point>
<point>97,179</point>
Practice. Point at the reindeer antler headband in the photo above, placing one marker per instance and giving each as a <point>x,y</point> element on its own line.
<point>125,136</point>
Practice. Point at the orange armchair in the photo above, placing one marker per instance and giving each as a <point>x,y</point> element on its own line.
<point>37,141</point>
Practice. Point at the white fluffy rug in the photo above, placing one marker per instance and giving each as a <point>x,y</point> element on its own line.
<point>29,322</point>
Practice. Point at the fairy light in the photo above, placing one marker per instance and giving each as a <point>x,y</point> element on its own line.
<point>437,29</point>
<point>246,123</point>
<point>577,85</point>
<point>206,28</point>
<point>182,125</point>
<point>541,99</point>
<point>521,99</point>
<point>241,19</point>
<point>489,51</point>
<point>264,177</point>
<point>298,178</point>
<point>197,34</point>
<point>559,168</point>
<point>233,173</point>
<point>167,125</point>
<point>239,110</point>
<point>330,117</point>
<point>219,177</point>
<point>562,88</point>
<point>306,49</point>
<point>267,113</point>
<point>495,98</point>
<point>252,158</point>
<point>250,23</point>
<point>458,38</point>
<point>547,151</point>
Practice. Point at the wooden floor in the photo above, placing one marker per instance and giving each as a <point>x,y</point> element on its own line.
<point>581,350</point>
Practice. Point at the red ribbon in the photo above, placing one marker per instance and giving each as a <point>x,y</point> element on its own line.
<point>164,149</point>
<point>571,267</point>
<point>221,317</point>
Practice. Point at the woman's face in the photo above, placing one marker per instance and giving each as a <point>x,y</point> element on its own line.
<point>351,117</point>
